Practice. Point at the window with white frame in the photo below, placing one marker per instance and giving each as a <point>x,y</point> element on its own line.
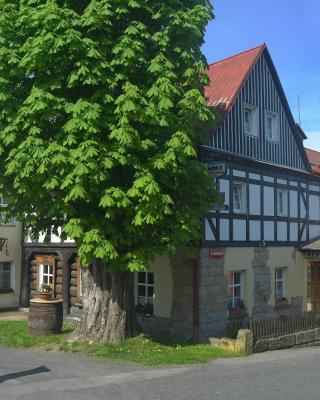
<point>3,219</point>
<point>282,202</point>
<point>145,288</point>
<point>272,125</point>
<point>239,197</point>
<point>46,274</point>
<point>235,288</point>
<point>279,283</point>
<point>6,276</point>
<point>251,120</point>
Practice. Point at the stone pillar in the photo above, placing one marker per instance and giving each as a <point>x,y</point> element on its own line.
<point>262,281</point>
<point>213,300</point>
<point>182,300</point>
<point>244,341</point>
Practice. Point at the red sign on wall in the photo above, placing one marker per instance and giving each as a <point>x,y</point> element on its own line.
<point>216,253</point>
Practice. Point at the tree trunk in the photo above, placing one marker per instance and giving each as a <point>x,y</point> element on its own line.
<point>108,304</point>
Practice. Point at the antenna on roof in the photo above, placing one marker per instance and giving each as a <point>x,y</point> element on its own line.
<point>299,109</point>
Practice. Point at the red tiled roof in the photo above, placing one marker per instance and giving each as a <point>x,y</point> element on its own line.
<point>314,160</point>
<point>227,77</point>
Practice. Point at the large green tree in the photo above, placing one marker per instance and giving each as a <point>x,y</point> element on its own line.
<point>101,113</point>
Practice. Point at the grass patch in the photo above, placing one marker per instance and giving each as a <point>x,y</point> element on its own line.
<point>142,350</point>
<point>15,334</point>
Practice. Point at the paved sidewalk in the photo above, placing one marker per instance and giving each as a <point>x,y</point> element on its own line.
<point>18,315</point>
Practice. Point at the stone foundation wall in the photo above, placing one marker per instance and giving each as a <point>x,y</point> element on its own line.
<point>180,324</point>
<point>213,299</point>
<point>307,338</point>
<point>262,288</point>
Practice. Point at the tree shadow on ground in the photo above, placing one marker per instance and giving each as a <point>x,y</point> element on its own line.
<point>15,375</point>
<point>168,341</point>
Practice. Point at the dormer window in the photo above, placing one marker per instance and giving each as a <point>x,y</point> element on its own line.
<point>251,120</point>
<point>272,126</point>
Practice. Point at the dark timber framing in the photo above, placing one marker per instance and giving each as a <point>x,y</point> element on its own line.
<point>262,89</point>
<point>291,180</point>
<point>65,252</point>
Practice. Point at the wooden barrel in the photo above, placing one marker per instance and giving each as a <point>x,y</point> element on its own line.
<point>45,317</point>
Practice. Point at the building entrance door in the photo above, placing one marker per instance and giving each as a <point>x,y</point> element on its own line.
<point>315,285</point>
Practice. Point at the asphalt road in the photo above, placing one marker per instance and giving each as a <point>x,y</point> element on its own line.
<point>286,374</point>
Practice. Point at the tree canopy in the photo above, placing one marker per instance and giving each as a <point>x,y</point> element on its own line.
<point>101,112</point>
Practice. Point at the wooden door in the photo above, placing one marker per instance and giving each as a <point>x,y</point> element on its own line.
<point>315,285</point>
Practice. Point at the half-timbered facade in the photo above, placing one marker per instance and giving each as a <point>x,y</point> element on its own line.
<point>259,251</point>
<point>269,188</point>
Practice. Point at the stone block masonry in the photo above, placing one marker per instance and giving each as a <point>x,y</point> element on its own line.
<point>213,299</point>
<point>242,344</point>
<point>310,337</point>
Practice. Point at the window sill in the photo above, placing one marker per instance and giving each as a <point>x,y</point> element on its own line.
<point>238,312</point>
<point>144,315</point>
<point>275,141</point>
<point>240,212</point>
<point>4,291</point>
<point>253,135</point>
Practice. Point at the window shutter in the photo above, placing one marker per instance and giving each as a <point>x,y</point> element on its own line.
<point>230,279</point>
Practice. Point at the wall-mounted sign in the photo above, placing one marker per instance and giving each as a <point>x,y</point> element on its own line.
<point>220,207</point>
<point>217,168</point>
<point>216,253</point>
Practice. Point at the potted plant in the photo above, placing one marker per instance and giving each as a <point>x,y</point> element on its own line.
<point>45,292</point>
<point>281,302</point>
<point>237,308</point>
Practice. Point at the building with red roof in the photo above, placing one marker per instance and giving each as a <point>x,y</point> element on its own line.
<point>260,250</point>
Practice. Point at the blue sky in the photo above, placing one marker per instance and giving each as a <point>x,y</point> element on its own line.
<point>291,30</point>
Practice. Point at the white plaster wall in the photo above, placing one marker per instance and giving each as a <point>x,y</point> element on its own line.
<point>295,273</point>
<point>314,207</point>
<point>13,234</point>
<point>239,229</point>
<point>293,231</point>
<point>293,211</point>
<point>224,229</point>
<point>268,228</point>
<point>224,188</point>
<point>255,230</point>
<point>256,177</point>
<point>208,231</point>
<point>254,199</point>
<point>282,231</point>
<point>314,231</point>
<point>240,259</point>
<point>241,174</point>
<point>304,233</point>
<point>163,286</point>
<point>302,208</point>
<point>268,200</point>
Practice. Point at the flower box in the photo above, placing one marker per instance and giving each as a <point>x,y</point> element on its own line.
<point>238,312</point>
<point>45,296</point>
<point>281,303</point>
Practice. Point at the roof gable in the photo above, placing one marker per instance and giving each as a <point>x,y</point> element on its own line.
<point>314,160</point>
<point>227,77</point>
<point>252,77</point>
